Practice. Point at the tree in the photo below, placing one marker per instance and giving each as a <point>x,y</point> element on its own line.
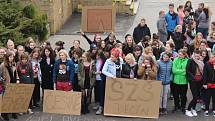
<point>19,22</point>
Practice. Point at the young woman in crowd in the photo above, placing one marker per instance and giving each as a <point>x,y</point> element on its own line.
<point>11,46</point>
<point>147,70</point>
<point>170,49</point>
<point>190,32</point>
<point>196,42</point>
<point>113,66</point>
<point>180,83</point>
<point>181,15</point>
<point>63,73</point>
<point>137,52</point>
<point>25,74</point>
<point>204,20</point>
<point>128,46</point>
<point>161,26</point>
<point>35,59</point>
<point>47,65</point>
<point>111,39</point>
<point>147,52</point>
<point>130,67</point>
<point>20,51</point>
<point>178,38</point>
<point>211,40</point>
<point>194,72</point>
<point>209,84</point>
<point>164,74</point>
<point>30,45</point>
<point>100,82</point>
<point>188,4</point>
<point>9,74</point>
<point>86,77</point>
<point>76,56</point>
<point>59,46</point>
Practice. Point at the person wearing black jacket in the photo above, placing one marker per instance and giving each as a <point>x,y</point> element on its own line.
<point>178,38</point>
<point>194,74</point>
<point>209,84</point>
<point>47,66</point>
<point>141,31</point>
<point>129,69</point>
<point>128,46</point>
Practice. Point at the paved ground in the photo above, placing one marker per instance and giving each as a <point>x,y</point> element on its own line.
<point>149,10</point>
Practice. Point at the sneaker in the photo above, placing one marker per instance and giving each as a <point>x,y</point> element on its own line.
<point>188,113</point>
<point>206,113</point>
<point>30,111</point>
<point>214,113</point>
<point>194,112</point>
<point>96,107</point>
<point>99,111</point>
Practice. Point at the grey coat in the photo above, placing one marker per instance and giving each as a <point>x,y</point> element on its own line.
<point>162,30</point>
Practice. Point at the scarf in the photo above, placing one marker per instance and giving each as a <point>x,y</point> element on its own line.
<point>199,63</point>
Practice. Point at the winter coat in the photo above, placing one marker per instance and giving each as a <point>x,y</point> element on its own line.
<point>126,49</point>
<point>140,32</point>
<point>6,75</point>
<point>171,23</point>
<point>142,73</point>
<point>126,69</point>
<point>109,68</point>
<point>208,74</point>
<point>164,71</point>
<point>70,69</point>
<point>178,39</point>
<point>179,70</point>
<point>203,21</point>
<point>47,72</point>
<point>81,74</point>
<point>191,70</point>
<point>162,30</point>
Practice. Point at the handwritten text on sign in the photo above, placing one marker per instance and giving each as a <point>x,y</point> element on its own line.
<point>17,98</point>
<point>62,102</point>
<point>132,98</point>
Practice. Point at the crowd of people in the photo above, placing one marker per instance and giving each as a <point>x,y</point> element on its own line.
<point>180,54</point>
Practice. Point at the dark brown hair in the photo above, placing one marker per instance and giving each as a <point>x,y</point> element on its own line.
<point>51,55</point>
<point>6,58</point>
<point>34,51</point>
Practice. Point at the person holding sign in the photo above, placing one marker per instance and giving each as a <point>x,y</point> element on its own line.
<point>25,73</point>
<point>147,70</point>
<point>87,78</point>
<point>164,75</point>
<point>9,75</point>
<point>35,61</point>
<point>63,73</point>
<point>129,69</point>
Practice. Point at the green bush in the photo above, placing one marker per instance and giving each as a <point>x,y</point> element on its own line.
<point>18,22</point>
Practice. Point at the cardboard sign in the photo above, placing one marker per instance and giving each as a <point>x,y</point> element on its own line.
<point>61,102</point>
<point>16,98</point>
<point>132,98</point>
<point>98,19</point>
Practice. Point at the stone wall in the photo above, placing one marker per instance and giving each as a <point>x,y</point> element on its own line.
<point>58,11</point>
